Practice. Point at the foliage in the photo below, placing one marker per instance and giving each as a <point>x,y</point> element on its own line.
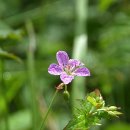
<point>92,109</point>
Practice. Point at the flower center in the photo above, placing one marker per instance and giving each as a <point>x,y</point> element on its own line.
<point>68,70</point>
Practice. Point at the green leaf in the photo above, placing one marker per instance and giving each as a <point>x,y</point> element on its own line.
<point>92,100</point>
<point>90,112</point>
<point>4,54</point>
<point>114,113</point>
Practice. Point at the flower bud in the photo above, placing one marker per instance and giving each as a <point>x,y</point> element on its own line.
<point>112,108</point>
<point>66,95</point>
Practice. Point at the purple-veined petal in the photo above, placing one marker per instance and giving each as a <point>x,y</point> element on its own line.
<point>66,78</point>
<point>75,63</point>
<point>55,69</point>
<point>82,72</point>
<point>62,58</point>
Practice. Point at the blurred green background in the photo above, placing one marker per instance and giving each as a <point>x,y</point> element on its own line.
<point>32,31</point>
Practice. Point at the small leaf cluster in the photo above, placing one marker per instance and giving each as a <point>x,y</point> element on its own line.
<point>92,109</point>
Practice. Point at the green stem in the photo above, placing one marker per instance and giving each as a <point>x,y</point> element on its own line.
<point>31,72</point>
<point>4,95</point>
<point>65,87</point>
<point>43,122</point>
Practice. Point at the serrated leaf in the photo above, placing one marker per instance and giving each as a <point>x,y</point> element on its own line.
<point>90,113</point>
<point>92,100</point>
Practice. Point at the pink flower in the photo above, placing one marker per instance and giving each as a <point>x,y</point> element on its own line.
<point>67,68</point>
